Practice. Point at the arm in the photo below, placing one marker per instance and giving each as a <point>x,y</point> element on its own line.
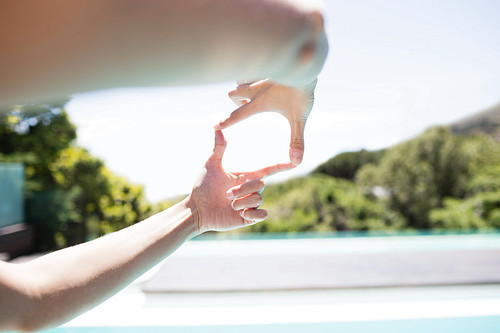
<point>292,97</point>
<point>62,47</point>
<point>55,288</point>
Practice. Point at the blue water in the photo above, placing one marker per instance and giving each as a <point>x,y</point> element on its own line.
<point>435,325</point>
<point>343,234</point>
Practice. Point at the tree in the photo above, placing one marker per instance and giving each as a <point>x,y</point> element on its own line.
<point>75,169</point>
<point>34,134</point>
<point>105,203</point>
<point>123,205</point>
<point>70,195</point>
<point>420,173</point>
<point>346,165</point>
<point>481,211</point>
<point>480,207</point>
<point>323,203</point>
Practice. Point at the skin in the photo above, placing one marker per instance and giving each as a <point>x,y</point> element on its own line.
<point>54,288</point>
<point>263,96</point>
<point>56,48</point>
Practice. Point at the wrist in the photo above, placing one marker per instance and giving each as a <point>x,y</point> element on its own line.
<point>194,221</point>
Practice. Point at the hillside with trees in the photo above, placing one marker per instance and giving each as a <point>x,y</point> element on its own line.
<point>71,196</point>
<point>446,178</point>
<point>486,122</point>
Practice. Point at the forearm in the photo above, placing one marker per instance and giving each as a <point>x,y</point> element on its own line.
<point>62,47</point>
<point>65,283</point>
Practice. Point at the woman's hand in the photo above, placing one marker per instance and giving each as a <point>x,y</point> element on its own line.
<point>293,103</point>
<point>223,200</point>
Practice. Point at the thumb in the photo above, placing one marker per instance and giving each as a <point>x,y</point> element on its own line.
<point>297,141</point>
<point>219,145</point>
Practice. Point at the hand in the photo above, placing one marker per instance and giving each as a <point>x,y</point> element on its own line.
<point>223,200</point>
<point>293,103</point>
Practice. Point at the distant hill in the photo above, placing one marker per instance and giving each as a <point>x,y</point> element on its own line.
<point>346,165</point>
<point>487,122</point>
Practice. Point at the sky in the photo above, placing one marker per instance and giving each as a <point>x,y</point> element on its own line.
<point>394,69</point>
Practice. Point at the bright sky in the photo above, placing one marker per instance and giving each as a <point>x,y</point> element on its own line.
<point>394,69</point>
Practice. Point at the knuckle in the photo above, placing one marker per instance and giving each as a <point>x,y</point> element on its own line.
<point>234,205</point>
<point>248,222</point>
<point>237,191</point>
<point>258,184</point>
<point>297,143</point>
<point>258,199</point>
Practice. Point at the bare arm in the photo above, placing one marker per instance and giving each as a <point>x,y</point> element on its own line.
<point>59,47</point>
<point>55,288</point>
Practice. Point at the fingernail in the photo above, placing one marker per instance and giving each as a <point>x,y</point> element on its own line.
<point>217,127</point>
<point>230,194</point>
<point>296,157</point>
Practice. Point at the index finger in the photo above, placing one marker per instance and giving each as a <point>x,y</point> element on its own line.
<point>268,171</point>
<point>239,114</point>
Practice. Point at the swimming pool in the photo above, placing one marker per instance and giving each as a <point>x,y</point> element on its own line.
<point>431,308</point>
<point>435,325</point>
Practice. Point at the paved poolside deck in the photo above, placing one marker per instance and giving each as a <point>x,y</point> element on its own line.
<point>331,263</point>
<point>181,293</point>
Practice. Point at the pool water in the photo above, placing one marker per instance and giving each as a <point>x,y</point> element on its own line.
<point>489,324</point>
<point>407,308</point>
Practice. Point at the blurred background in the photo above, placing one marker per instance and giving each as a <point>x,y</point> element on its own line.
<point>403,135</point>
<point>399,187</point>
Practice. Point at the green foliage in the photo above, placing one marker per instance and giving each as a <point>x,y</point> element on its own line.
<point>434,170</point>
<point>437,180</point>
<point>419,173</point>
<point>123,205</point>
<point>480,208</point>
<point>54,217</point>
<point>106,202</point>
<point>481,211</point>
<point>322,203</point>
<point>33,135</point>
<point>346,165</point>
<point>484,154</point>
<point>70,195</point>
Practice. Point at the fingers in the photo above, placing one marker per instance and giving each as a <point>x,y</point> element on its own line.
<point>239,114</point>
<point>252,215</point>
<point>219,145</point>
<point>253,200</point>
<point>242,92</point>
<point>247,200</point>
<point>242,82</point>
<point>240,101</point>
<point>249,90</point>
<point>241,95</point>
<point>254,186</point>
<point>297,141</point>
<point>268,171</point>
